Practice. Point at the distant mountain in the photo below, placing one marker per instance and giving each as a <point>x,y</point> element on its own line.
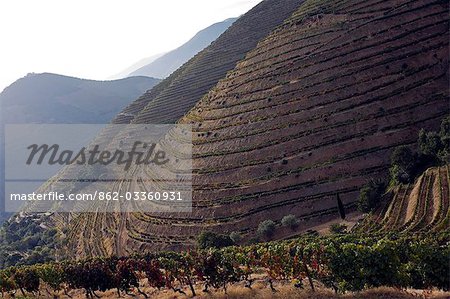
<point>168,63</point>
<point>52,98</point>
<point>141,63</point>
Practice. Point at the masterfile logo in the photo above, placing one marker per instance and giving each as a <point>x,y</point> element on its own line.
<point>82,168</point>
<point>53,155</point>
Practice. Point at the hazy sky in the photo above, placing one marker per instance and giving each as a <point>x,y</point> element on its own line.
<point>95,39</point>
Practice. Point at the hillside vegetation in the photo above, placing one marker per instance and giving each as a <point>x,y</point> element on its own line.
<point>415,200</point>
<point>341,263</point>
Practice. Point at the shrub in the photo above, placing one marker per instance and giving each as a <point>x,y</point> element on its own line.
<point>444,134</point>
<point>403,157</point>
<point>429,143</point>
<point>337,228</point>
<point>290,221</point>
<point>435,147</point>
<point>403,163</point>
<point>266,228</point>
<point>370,195</point>
<point>213,240</point>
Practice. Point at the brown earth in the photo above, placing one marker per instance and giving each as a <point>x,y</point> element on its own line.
<point>314,110</point>
<point>260,290</point>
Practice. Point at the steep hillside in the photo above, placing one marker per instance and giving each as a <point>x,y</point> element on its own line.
<point>177,94</point>
<point>169,62</point>
<point>313,111</point>
<point>52,98</point>
<point>422,206</point>
<point>167,102</point>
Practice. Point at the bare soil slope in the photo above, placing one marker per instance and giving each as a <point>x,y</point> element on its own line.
<point>314,110</point>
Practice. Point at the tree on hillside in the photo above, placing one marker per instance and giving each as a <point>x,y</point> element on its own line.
<point>403,163</point>
<point>266,228</point>
<point>370,196</point>
<point>213,240</point>
<point>444,134</point>
<point>290,221</point>
<point>434,147</point>
<point>341,207</point>
<point>429,143</point>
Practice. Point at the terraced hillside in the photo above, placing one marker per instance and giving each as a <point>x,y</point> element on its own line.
<point>169,101</point>
<point>171,61</point>
<point>177,94</point>
<point>313,111</point>
<point>422,206</point>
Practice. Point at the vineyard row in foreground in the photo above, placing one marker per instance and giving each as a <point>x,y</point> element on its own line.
<point>341,262</point>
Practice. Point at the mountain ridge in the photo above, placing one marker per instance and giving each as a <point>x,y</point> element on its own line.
<point>51,89</point>
<point>169,62</point>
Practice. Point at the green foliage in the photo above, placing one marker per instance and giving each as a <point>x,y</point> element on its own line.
<point>213,240</point>
<point>337,228</point>
<point>429,143</point>
<point>52,274</point>
<point>25,241</point>
<point>26,279</point>
<point>403,157</point>
<point>370,196</point>
<point>312,233</point>
<point>266,228</point>
<point>403,163</point>
<point>427,264</point>
<point>290,221</point>
<point>444,134</point>
<point>341,207</point>
<point>345,262</point>
<point>433,149</point>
